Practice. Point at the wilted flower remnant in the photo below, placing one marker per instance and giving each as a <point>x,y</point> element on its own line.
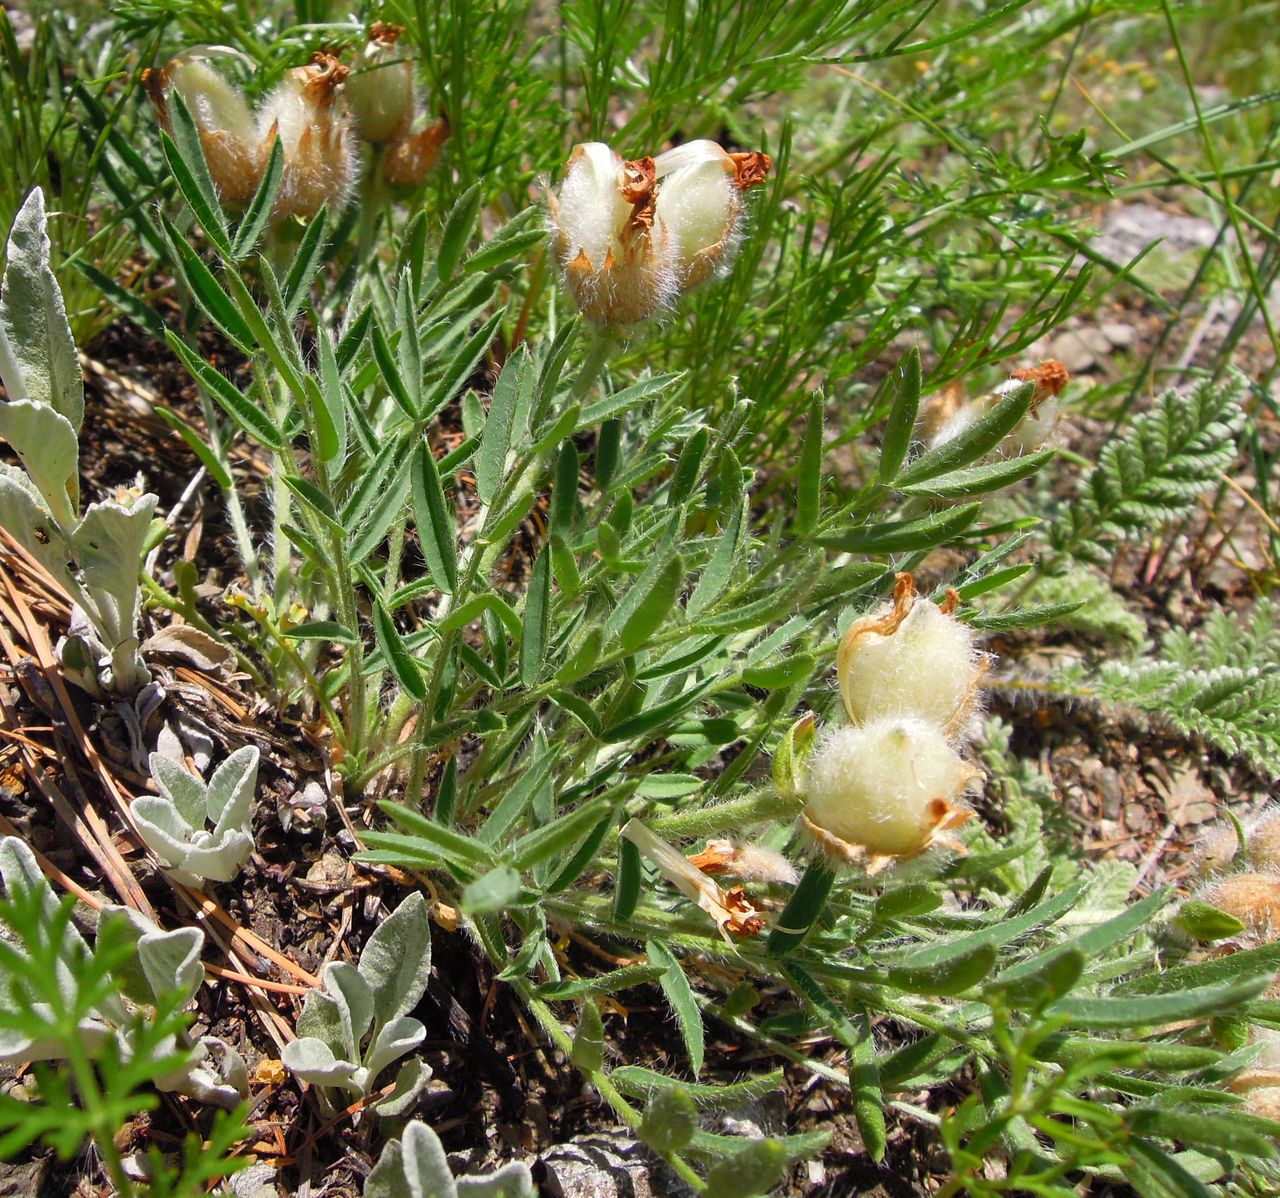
<point>310,118</point>
<point>316,113</point>
<point>382,99</point>
<point>893,783</point>
<point>947,414</point>
<point>223,119</point>
<point>632,237</point>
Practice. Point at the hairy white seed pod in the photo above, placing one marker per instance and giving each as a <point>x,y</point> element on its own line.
<point>1253,898</point>
<point>616,260</point>
<point>379,90</point>
<point>309,117</point>
<point>1264,1102</point>
<point>1264,1069</point>
<point>632,236</point>
<point>1032,432</point>
<point>888,788</point>
<point>223,121</point>
<point>1262,840</point>
<point>909,658</point>
<point>700,205</point>
<point>1216,849</point>
<point>411,155</point>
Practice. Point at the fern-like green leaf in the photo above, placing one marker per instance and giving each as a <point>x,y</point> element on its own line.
<point>1154,473</point>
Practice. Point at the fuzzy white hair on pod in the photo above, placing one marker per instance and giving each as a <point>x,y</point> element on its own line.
<point>927,667</point>
<point>885,786</point>
<point>215,104</point>
<point>699,205</point>
<point>591,211</point>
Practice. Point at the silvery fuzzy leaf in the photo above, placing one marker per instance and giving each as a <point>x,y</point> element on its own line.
<point>107,545</point>
<point>218,862</point>
<point>15,1047</point>
<point>24,514</point>
<point>393,1041</point>
<point>181,787</point>
<point>511,1181</point>
<point>21,874</point>
<point>231,791</point>
<point>166,833</point>
<point>39,341</point>
<point>410,1082</point>
<point>397,959</point>
<point>171,961</point>
<point>46,443</point>
<point>320,1019</point>
<point>311,1060</point>
<point>354,1000</point>
<point>163,961</point>
<point>217,1075</point>
<point>414,1166</point>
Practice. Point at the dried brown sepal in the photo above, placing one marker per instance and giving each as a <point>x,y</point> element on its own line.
<point>904,599</point>
<point>321,77</point>
<point>412,156</point>
<point>639,179</point>
<point>750,168</point>
<point>1049,377</point>
<point>743,919</point>
<point>384,33</point>
<point>944,816</point>
<point>155,82</point>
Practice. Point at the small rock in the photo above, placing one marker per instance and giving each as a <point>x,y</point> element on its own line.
<point>603,1166</point>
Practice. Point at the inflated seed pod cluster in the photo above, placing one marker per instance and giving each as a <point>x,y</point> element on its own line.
<point>631,237</point>
<point>1243,879</point>
<point>317,113</point>
<point>893,781</point>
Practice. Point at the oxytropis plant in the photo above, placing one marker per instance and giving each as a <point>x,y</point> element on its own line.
<point>94,556</point>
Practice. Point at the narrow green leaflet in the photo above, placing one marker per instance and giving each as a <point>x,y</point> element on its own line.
<point>675,985</point>
<point>982,436</point>
<point>906,382</point>
<point>458,228</point>
<point>398,657</point>
<point>495,442</point>
<point>246,414</point>
<point>435,524</point>
<point>623,401</point>
<point>185,156</point>
<point>306,261</point>
<point>905,536</point>
<point>259,211</point>
<point>537,620</point>
<point>809,478</point>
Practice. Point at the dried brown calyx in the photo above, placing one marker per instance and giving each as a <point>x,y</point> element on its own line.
<point>384,33</point>
<point>155,82</point>
<point>1049,377</point>
<point>751,168</point>
<point>321,76</point>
